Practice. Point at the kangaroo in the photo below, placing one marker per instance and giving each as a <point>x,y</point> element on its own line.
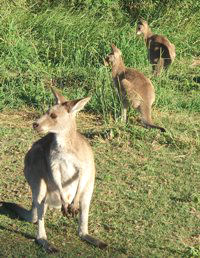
<point>134,88</point>
<point>161,53</point>
<point>60,170</point>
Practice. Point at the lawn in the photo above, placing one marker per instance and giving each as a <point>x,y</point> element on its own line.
<point>146,201</point>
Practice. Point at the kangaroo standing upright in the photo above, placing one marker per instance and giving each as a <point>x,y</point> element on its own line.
<point>134,88</point>
<point>161,52</point>
<point>60,170</point>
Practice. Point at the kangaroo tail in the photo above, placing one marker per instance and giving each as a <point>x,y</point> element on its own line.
<point>21,212</point>
<point>146,117</point>
<point>94,241</point>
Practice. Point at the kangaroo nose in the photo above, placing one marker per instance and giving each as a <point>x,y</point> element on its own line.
<point>35,125</point>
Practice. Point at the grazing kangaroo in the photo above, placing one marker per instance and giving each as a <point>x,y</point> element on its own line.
<point>133,87</point>
<point>161,53</point>
<point>60,170</point>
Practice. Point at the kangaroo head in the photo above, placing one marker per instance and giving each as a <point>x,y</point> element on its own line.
<point>142,27</point>
<point>113,57</point>
<point>60,117</point>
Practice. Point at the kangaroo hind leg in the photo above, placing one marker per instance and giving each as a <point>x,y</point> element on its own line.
<point>83,221</point>
<point>39,199</point>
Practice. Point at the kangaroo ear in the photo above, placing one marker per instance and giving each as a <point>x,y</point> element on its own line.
<point>60,99</point>
<point>143,22</point>
<point>79,104</point>
<point>114,48</point>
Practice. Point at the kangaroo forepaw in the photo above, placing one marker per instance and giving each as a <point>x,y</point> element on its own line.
<point>47,246</point>
<point>65,209</point>
<point>73,209</point>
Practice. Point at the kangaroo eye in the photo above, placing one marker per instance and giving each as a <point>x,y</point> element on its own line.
<point>53,115</point>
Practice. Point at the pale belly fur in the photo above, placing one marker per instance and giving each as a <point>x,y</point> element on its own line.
<point>68,175</point>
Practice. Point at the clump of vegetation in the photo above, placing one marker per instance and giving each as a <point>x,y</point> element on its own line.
<point>67,41</point>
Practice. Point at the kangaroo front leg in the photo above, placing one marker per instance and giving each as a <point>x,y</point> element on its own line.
<point>58,184</point>
<point>74,206</point>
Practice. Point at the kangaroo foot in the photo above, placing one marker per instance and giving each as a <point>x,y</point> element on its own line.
<point>46,245</point>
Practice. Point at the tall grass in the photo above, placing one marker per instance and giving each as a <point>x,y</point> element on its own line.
<point>67,41</point>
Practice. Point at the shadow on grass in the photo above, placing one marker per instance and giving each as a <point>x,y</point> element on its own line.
<point>8,209</point>
<point>105,134</point>
<point>7,212</point>
<point>196,79</point>
<point>192,86</point>
<point>26,235</point>
<point>181,199</point>
<point>12,215</point>
<point>175,78</point>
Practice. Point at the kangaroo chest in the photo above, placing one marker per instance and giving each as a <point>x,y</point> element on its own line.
<point>63,164</point>
<point>64,174</point>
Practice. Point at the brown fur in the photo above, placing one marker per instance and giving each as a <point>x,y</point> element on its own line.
<point>134,88</point>
<point>161,52</point>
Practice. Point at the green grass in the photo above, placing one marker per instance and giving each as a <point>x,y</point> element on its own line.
<point>146,199</point>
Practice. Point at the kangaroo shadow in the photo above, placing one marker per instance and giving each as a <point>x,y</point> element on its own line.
<point>192,86</point>
<point>180,79</point>
<point>176,78</point>
<point>91,134</point>
<point>104,134</point>
<point>186,198</point>
<point>26,235</point>
<point>8,209</point>
<point>12,215</point>
<point>7,212</point>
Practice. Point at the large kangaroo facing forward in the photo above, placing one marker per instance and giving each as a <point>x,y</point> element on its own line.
<point>134,88</point>
<point>60,170</point>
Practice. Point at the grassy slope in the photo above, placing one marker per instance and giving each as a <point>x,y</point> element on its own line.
<point>146,203</point>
